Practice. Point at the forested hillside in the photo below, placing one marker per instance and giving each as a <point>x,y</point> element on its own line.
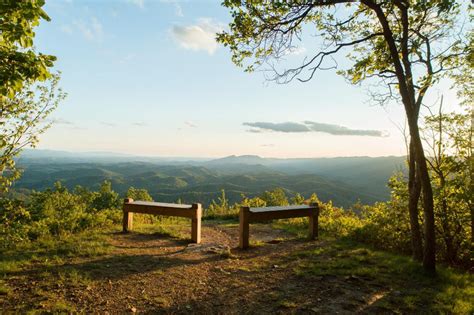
<point>342,180</point>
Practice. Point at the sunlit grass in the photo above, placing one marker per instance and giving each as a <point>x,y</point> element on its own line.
<point>451,291</point>
<point>49,251</point>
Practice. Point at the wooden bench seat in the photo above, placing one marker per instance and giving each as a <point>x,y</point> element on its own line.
<point>194,212</point>
<point>250,215</point>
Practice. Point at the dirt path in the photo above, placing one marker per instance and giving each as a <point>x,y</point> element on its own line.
<point>151,273</point>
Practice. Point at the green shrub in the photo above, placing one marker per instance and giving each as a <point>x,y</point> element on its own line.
<point>57,212</point>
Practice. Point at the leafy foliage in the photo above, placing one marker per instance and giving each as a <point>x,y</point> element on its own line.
<point>449,136</point>
<point>57,212</point>
<point>20,65</point>
<point>22,120</point>
<point>24,103</point>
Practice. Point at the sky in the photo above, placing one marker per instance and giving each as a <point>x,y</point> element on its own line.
<point>146,77</point>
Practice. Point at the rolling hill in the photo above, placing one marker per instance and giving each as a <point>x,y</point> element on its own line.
<point>342,180</point>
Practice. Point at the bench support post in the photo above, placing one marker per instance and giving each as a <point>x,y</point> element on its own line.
<point>244,227</point>
<point>196,224</point>
<point>127,221</point>
<point>127,217</point>
<point>313,222</point>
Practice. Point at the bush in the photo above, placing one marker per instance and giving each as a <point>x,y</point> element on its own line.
<point>57,212</point>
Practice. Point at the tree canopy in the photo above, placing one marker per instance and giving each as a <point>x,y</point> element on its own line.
<point>19,62</point>
<point>24,104</point>
<point>402,46</point>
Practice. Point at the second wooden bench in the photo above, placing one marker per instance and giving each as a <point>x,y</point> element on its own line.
<point>250,215</point>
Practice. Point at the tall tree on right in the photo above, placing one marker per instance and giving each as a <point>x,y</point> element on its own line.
<point>403,46</point>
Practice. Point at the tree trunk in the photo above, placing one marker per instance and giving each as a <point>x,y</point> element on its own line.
<point>414,189</point>
<point>407,93</point>
<point>471,179</point>
<point>429,254</point>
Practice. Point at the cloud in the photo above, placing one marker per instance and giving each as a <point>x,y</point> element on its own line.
<point>66,123</point>
<point>66,29</point>
<point>311,126</point>
<point>343,131</point>
<point>108,124</point>
<point>127,58</point>
<point>190,124</point>
<point>282,127</point>
<point>139,124</point>
<point>178,10</point>
<point>92,30</point>
<point>138,3</point>
<point>201,36</point>
<point>60,121</point>
<point>295,51</point>
<point>269,145</point>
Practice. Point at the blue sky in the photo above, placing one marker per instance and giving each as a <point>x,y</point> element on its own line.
<point>147,78</point>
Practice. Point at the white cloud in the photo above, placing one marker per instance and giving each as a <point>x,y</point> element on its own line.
<point>296,51</point>
<point>108,124</point>
<point>190,124</point>
<point>178,10</point>
<point>92,30</point>
<point>66,29</point>
<point>201,36</point>
<point>311,126</point>
<point>60,121</point>
<point>138,3</point>
<point>127,58</point>
<point>139,124</point>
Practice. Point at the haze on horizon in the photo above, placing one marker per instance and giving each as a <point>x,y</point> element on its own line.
<point>162,86</point>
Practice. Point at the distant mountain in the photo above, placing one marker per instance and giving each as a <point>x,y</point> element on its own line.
<point>239,159</point>
<point>343,180</point>
<point>47,156</point>
<point>188,183</point>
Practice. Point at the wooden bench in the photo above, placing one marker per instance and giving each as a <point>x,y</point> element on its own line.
<point>250,215</point>
<point>194,212</point>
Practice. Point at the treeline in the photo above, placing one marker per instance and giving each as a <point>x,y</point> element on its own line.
<point>58,212</point>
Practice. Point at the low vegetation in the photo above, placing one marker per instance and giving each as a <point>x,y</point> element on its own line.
<point>153,269</point>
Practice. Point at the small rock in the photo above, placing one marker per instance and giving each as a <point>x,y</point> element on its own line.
<point>133,309</point>
<point>275,266</point>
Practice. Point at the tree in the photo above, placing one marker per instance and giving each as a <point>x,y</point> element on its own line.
<point>24,104</point>
<point>449,139</point>
<point>22,120</point>
<point>276,197</point>
<point>106,198</point>
<point>403,46</point>
<point>19,63</point>
<point>297,199</point>
<point>138,194</point>
<point>464,83</point>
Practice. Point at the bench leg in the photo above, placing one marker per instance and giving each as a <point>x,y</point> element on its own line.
<point>244,227</point>
<point>127,221</point>
<point>196,224</point>
<point>313,224</point>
